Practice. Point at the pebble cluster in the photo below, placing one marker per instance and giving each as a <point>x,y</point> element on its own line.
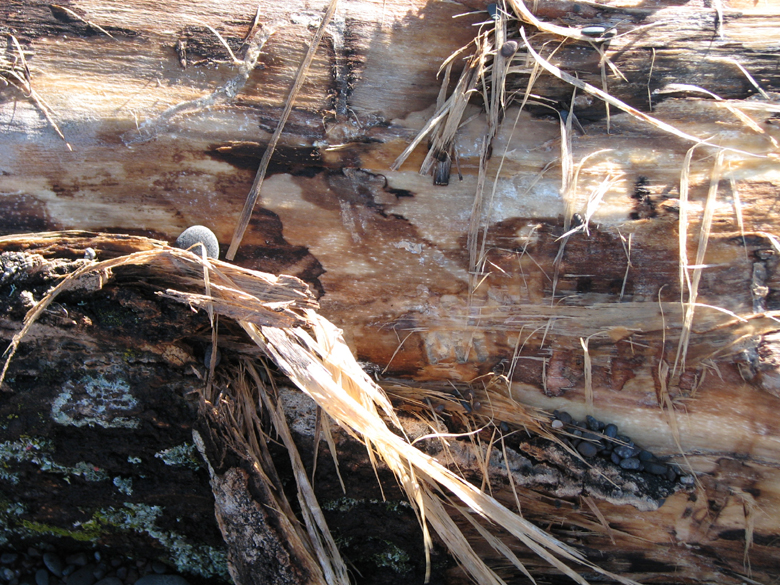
<point>594,438</point>
<point>44,566</point>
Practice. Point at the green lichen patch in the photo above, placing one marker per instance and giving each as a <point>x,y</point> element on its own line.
<point>393,558</point>
<point>39,452</point>
<point>185,455</point>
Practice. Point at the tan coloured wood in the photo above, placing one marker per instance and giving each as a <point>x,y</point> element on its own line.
<point>158,147</point>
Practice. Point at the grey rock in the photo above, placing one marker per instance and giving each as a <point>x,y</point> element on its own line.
<point>557,424</point>
<point>199,234</point>
<point>593,424</point>
<point>83,576</point>
<point>8,558</point>
<point>630,463</point>
<point>41,577</point>
<point>564,417</point>
<point>655,468</point>
<point>159,567</point>
<point>207,356</point>
<point>33,552</point>
<point>68,570</point>
<point>611,430</point>
<point>110,581</point>
<point>587,449</point>
<point>162,580</point>
<point>645,455</point>
<point>100,571</point>
<point>121,572</point>
<point>508,49</point>
<point>78,559</point>
<point>615,458</point>
<point>7,574</point>
<point>577,432</point>
<point>625,439</point>
<point>624,451</point>
<point>53,562</point>
<point>671,475</point>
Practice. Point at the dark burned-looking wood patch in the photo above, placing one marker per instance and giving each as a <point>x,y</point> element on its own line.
<point>197,45</point>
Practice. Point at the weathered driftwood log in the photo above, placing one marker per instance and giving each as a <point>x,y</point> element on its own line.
<point>433,283</point>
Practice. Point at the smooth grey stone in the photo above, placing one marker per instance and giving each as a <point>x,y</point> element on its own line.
<point>100,571</point>
<point>159,567</point>
<point>53,563</point>
<point>625,439</point>
<point>557,424</point>
<point>508,49</point>
<point>670,474</point>
<point>84,576</point>
<point>577,432</point>
<point>611,430</point>
<point>121,572</point>
<point>630,463</point>
<point>624,451</point>
<point>162,580</point>
<point>199,234</point>
<point>7,574</point>
<point>564,417</point>
<point>8,558</point>
<point>41,577</point>
<point>645,455</point>
<point>207,356</point>
<point>594,30</point>
<point>78,559</point>
<point>110,581</point>
<point>33,552</point>
<point>68,570</point>
<point>656,468</point>
<point>587,449</point>
<point>615,458</point>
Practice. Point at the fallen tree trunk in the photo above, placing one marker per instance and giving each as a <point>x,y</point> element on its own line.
<point>440,287</point>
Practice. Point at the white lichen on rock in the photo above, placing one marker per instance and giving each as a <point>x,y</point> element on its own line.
<point>95,401</point>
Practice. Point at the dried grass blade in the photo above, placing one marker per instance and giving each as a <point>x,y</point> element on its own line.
<point>563,76</point>
<point>254,192</point>
<point>333,566</point>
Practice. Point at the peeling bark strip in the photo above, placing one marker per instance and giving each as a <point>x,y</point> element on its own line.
<point>159,147</point>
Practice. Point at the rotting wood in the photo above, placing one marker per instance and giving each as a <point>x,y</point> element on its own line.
<point>387,249</point>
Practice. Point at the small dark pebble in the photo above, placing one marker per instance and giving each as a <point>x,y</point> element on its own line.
<point>577,432</point>
<point>33,552</point>
<point>84,576</point>
<point>670,474</point>
<point>161,580</point>
<point>645,455</point>
<point>466,406</point>
<point>8,558</point>
<point>565,418</point>
<point>631,463</point>
<point>100,571</point>
<point>121,572</point>
<point>53,563</point>
<point>68,570</point>
<point>110,581</point>
<point>159,567</point>
<point>587,449</point>
<point>595,30</point>
<point>7,574</point>
<point>207,356</point>
<point>439,408</point>
<point>504,427</point>
<point>41,577</point>
<point>198,234</point>
<point>624,439</point>
<point>611,431</point>
<point>477,406</point>
<point>593,424</point>
<point>625,451</point>
<point>656,468</point>
<point>508,49</point>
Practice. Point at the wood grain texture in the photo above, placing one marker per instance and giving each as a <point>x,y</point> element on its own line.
<point>158,147</point>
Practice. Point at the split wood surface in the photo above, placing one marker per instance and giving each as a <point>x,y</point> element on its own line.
<point>167,127</point>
